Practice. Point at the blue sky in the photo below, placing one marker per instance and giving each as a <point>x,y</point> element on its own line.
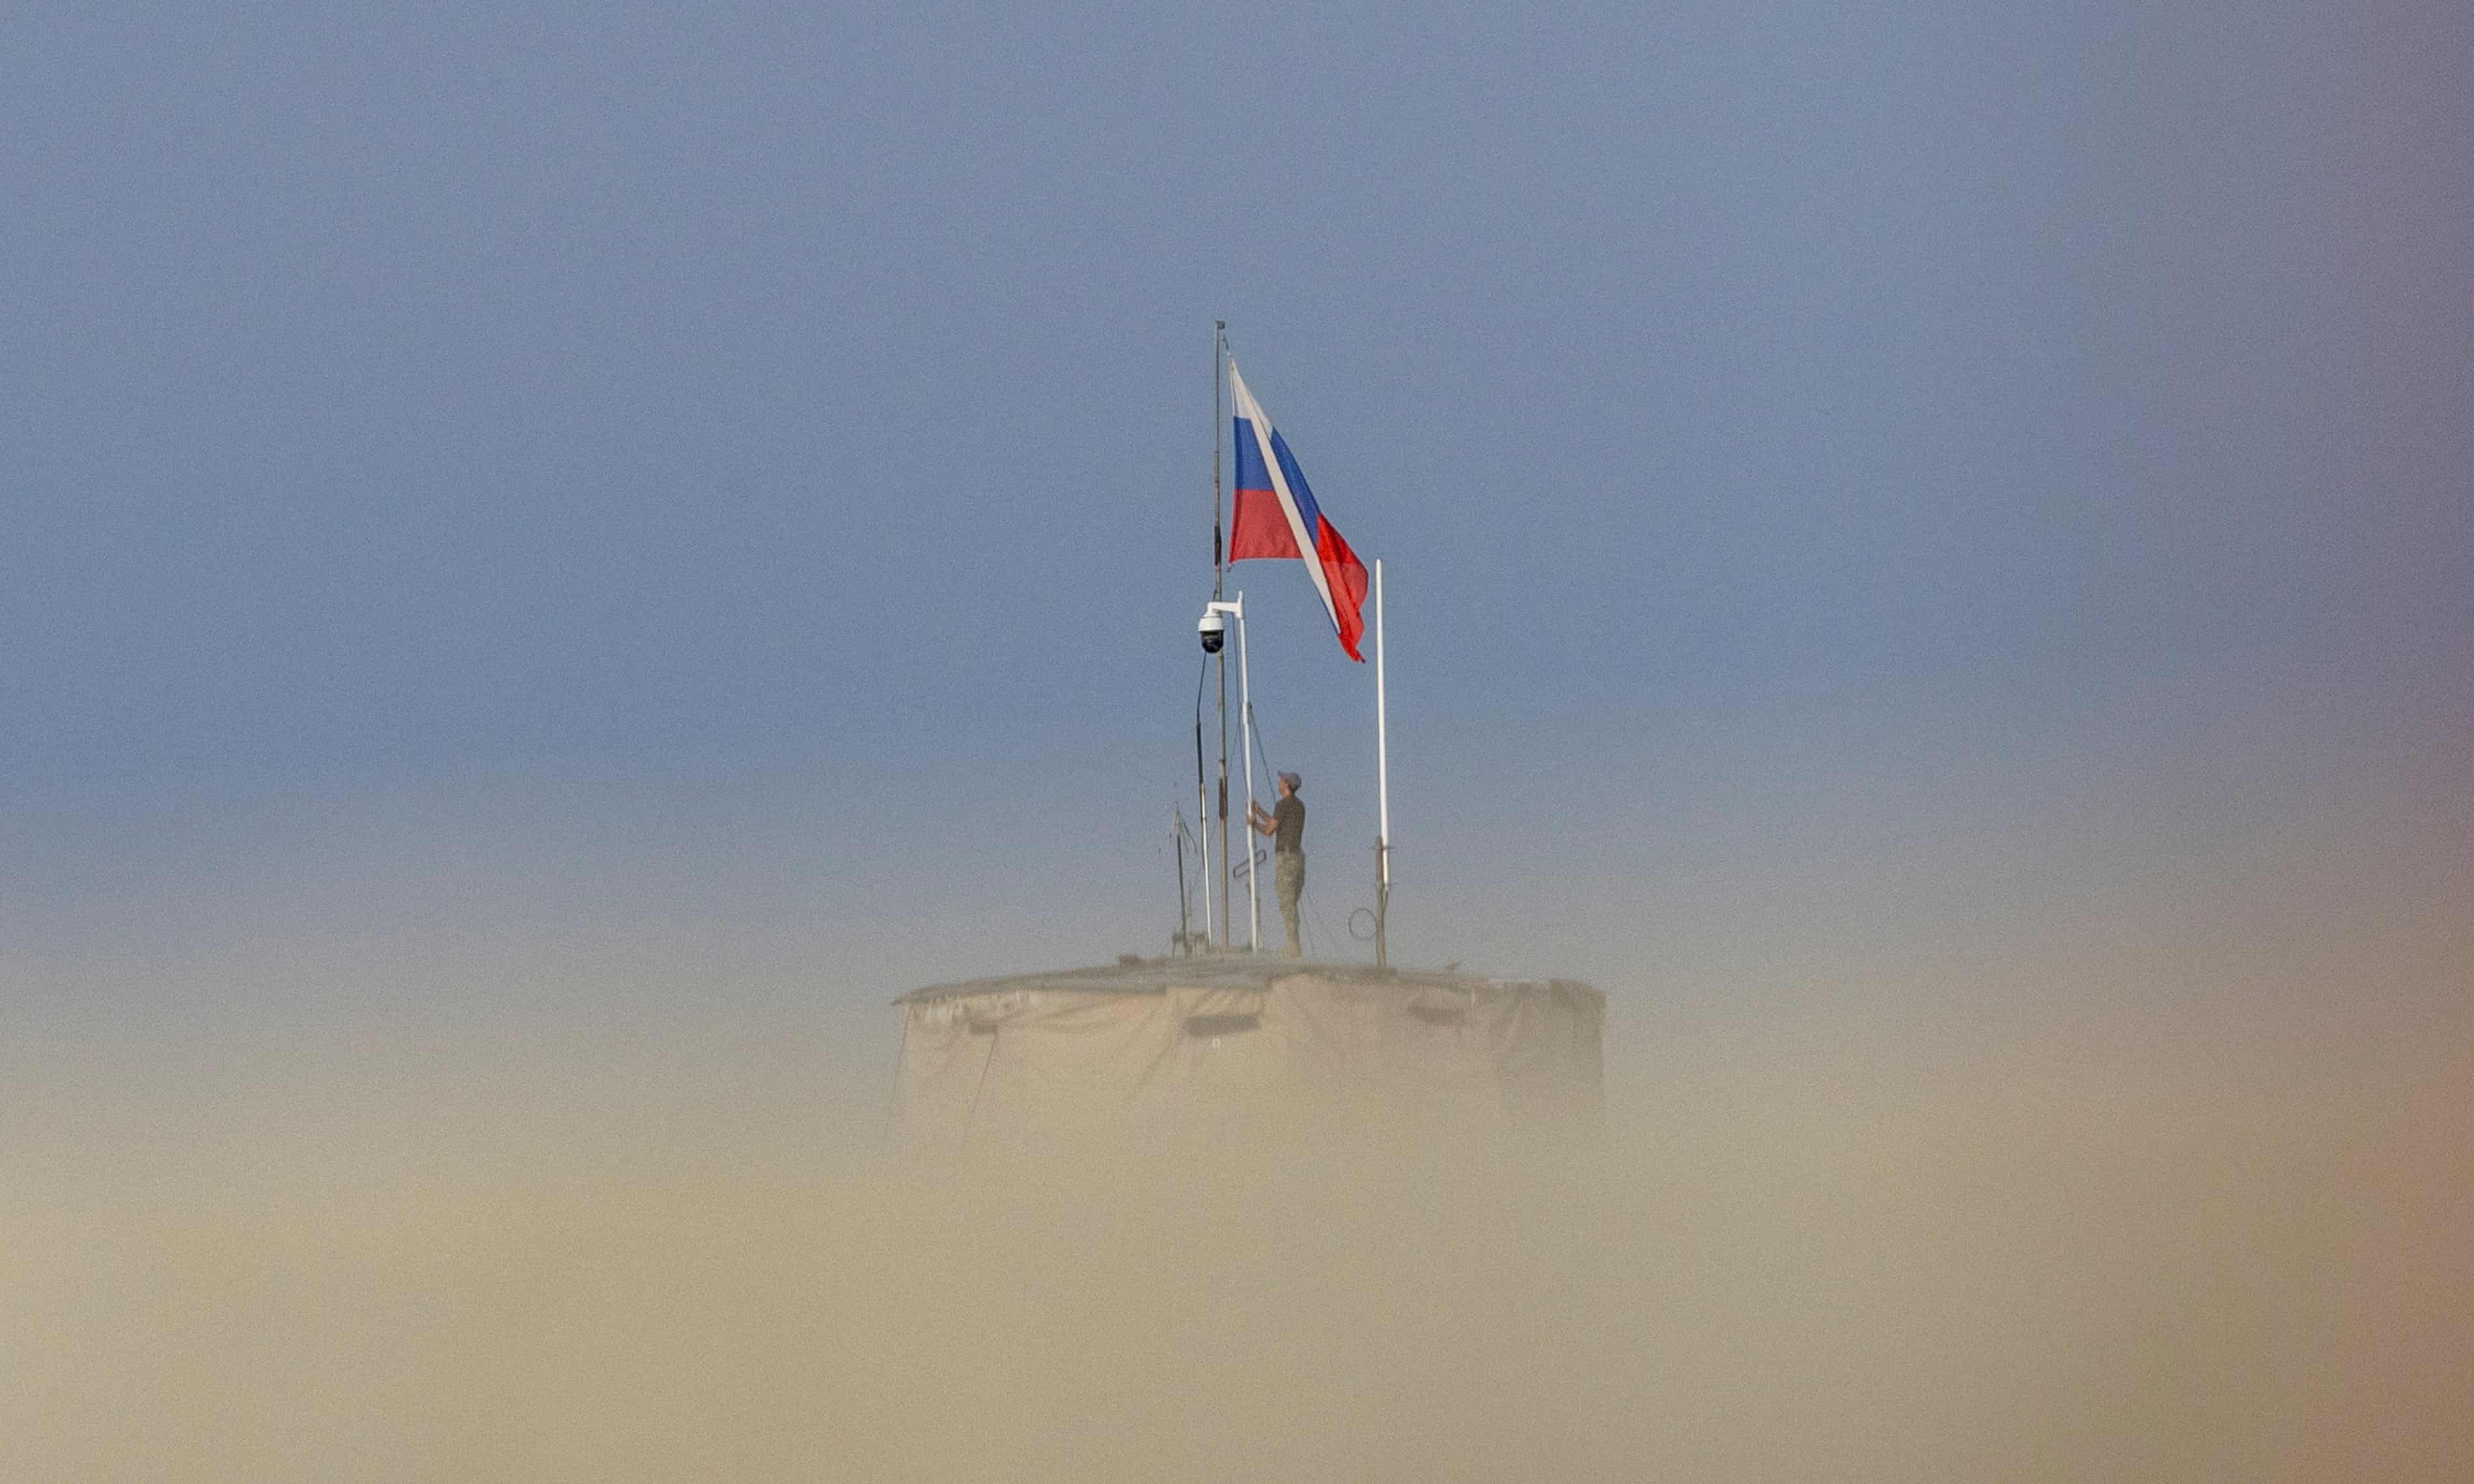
<point>555,469</point>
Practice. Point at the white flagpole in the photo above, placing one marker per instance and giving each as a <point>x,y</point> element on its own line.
<point>1245,724</point>
<point>1382,783</point>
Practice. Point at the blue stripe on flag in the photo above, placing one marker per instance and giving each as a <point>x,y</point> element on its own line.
<point>1296,478</point>
<point>1251,472</point>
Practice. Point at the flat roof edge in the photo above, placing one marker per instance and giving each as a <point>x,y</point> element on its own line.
<point>1156,976</point>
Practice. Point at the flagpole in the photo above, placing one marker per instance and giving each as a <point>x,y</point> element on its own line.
<point>1219,579</point>
<point>1382,785</point>
<point>1201,824</point>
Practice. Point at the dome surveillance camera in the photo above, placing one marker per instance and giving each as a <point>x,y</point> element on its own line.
<point>1214,629</point>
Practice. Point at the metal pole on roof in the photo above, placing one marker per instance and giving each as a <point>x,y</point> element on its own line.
<point>1245,725</point>
<point>1202,813</point>
<point>1382,785</point>
<point>1184,900</point>
<point>1219,579</point>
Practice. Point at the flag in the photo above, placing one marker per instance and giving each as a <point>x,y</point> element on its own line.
<point>1275,515</point>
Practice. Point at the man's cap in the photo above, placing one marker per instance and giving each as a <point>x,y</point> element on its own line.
<point>1293,780</point>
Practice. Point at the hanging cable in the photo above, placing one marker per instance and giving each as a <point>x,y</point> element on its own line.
<point>1262,754</point>
<point>982,1085</point>
<point>1202,782</point>
<point>1256,855</point>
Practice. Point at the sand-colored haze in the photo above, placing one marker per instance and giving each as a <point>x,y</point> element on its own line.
<point>1806,1262</point>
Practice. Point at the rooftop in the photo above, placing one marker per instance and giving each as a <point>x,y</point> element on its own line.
<point>1135,976</point>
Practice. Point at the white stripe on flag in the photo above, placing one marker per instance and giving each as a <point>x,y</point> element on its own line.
<point>1252,412</point>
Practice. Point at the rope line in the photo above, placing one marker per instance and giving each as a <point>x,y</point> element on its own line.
<point>973,1116</point>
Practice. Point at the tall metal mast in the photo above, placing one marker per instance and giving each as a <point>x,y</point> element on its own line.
<point>1219,579</point>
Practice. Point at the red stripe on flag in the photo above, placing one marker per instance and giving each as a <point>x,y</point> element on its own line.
<point>1347,576</point>
<point>1258,527</point>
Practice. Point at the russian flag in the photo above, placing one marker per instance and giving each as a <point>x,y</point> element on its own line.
<point>1275,515</point>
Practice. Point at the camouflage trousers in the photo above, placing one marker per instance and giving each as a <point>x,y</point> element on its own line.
<point>1289,879</point>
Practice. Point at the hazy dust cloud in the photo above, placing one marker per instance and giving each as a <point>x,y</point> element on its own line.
<point>1828,1259</point>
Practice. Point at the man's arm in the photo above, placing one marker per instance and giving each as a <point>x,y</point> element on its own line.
<point>1262,821</point>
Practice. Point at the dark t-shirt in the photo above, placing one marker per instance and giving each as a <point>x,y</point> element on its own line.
<point>1289,827</point>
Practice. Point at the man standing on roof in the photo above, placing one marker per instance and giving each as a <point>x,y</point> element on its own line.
<point>1286,825</point>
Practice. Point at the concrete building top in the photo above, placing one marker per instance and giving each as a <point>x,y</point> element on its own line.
<point>1134,975</point>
